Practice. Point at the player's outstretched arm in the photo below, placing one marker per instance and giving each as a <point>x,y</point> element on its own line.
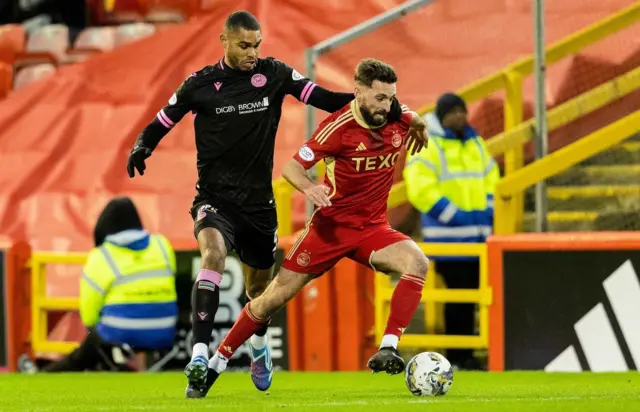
<point>329,101</point>
<point>317,96</point>
<point>165,120</point>
<point>296,174</point>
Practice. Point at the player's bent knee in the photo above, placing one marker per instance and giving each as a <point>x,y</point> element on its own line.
<point>256,288</point>
<point>283,288</point>
<point>418,265</point>
<point>257,281</point>
<point>212,249</point>
<point>267,304</point>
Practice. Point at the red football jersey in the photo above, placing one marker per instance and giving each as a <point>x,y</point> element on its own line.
<point>360,161</point>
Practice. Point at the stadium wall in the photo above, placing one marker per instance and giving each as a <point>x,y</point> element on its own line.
<point>559,302</point>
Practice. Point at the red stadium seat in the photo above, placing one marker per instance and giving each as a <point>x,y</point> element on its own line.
<point>6,79</point>
<point>32,73</point>
<point>53,38</point>
<point>12,42</point>
<point>128,33</point>
<point>96,38</point>
<point>91,41</point>
<point>47,44</point>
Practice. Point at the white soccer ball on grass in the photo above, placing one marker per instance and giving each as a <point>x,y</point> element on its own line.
<point>428,374</point>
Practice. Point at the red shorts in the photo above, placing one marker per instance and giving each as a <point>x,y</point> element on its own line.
<point>319,247</point>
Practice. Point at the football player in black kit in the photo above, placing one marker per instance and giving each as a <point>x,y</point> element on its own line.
<point>237,103</point>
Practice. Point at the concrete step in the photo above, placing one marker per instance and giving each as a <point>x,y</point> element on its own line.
<point>631,145</point>
<point>563,192</point>
<point>587,221</point>
<point>627,153</point>
<point>602,193</point>
<point>588,198</point>
<point>612,174</point>
<point>598,175</point>
<point>559,223</point>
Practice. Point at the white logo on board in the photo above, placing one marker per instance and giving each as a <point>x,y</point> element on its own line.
<point>595,333</point>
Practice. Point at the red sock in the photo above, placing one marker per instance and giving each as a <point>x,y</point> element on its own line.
<point>246,325</point>
<point>404,302</point>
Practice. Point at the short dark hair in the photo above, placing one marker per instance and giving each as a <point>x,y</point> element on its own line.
<point>242,20</point>
<point>370,70</point>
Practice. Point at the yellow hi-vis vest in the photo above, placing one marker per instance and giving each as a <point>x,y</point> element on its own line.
<point>128,292</point>
<point>451,183</point>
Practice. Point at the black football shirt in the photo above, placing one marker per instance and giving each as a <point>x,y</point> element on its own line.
<point>236,120</point>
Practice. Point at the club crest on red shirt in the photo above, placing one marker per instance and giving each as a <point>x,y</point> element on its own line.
<point>396,140</point>
<point>303,259</point>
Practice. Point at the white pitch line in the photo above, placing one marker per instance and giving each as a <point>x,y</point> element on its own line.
<point>203,404</point>
<point>455,400</point>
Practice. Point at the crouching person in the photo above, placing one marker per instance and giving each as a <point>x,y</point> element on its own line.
<point>127,294</point>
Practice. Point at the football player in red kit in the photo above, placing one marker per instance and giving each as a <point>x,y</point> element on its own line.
<point>360,150</point>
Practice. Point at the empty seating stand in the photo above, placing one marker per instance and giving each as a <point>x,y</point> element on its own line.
<point>24,59</point>
<point>48,44</point>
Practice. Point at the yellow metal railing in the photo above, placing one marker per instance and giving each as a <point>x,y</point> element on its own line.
<point>432,295</point>
<point>567,112</point>
<point>41,305</point>
<point>283,193</point>
<point>557,162</point>
<point>511,81</point>
<point>516,137</point>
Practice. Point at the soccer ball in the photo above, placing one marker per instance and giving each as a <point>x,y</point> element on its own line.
<point>428,374</point>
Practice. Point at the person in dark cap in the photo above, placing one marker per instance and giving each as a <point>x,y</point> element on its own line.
<point>451,183</point>
<point>128,297</point>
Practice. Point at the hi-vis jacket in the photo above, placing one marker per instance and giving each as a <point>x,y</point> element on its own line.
<point>451,183</point>
<point>127,290</point>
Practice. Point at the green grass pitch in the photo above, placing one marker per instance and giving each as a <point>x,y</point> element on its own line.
<point>512,391</point>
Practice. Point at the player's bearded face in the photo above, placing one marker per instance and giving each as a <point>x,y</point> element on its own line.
<point>241,48</point>
<point>375,101</point>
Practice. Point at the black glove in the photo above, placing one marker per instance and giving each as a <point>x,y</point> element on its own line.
<point>136,160</point>
<point>395,112</point>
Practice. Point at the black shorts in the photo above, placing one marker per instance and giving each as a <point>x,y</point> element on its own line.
<point>252,234</point>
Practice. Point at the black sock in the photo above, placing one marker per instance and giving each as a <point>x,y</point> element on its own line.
<point>205,298</point>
